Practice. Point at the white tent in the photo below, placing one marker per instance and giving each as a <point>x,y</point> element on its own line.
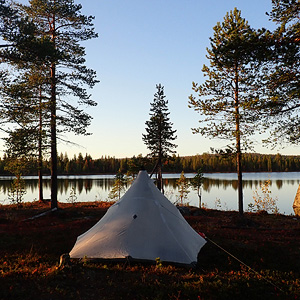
<point>296,204</point>
<point>142,225</point>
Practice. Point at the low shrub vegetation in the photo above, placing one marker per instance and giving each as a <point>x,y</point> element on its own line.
<point>267,247</point>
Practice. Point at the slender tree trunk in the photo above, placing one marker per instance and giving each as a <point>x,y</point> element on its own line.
<point>159,175</point>
<point>53,121</point>
<point>40,175</point>
<point>154,169</point>
<point>53,140</point>
<point>240,179</point>
<point>40,157</point>
<point>159,170</point>
<point>238,145</point>
<point>199,196</point>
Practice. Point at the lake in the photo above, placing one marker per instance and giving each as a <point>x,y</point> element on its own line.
<point>219,189</point>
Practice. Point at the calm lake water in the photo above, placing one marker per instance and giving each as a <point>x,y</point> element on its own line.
<point>219,189</point>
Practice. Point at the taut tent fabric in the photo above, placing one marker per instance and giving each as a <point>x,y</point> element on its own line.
<point>143,225</point>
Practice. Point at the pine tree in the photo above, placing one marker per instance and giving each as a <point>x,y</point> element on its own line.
<point>226,98</point>
<point>282,74</point>
<point>159,133</point>
<point>27,110</point>
<point>61,27</point>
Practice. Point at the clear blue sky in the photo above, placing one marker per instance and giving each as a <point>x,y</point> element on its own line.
<point>142,43</point>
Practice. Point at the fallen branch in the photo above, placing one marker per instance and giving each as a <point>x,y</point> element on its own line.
<point>42,214</point>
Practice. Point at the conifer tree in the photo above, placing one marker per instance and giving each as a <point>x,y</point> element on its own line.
<point>159,133</point>
<point>60,27</point>
<point>28,112</point>
<point>226,98</point>
<point>282,74</point>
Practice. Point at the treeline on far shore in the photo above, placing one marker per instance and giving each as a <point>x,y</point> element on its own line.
<point>85,164</point>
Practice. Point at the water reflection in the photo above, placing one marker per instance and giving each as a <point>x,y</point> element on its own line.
<point>220,188</point>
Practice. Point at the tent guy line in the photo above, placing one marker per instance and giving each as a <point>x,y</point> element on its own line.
<point>241,262</point>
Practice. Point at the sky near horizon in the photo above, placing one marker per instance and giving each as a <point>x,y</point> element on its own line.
<point>142,43</point>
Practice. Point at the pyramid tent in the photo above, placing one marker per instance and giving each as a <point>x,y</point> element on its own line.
<point>142,225</point>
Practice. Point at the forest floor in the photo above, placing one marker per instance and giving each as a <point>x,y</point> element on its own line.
<point>30,250</point>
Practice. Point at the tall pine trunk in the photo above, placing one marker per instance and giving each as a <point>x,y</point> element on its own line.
<point>40,155</point>
<point>53,121</point>
<point>238,144</point>
<point>53,140</point>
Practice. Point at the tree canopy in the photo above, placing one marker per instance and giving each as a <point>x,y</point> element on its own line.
<point>281,75</point>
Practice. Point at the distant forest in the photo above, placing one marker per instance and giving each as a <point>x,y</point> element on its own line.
<point>83,165</point>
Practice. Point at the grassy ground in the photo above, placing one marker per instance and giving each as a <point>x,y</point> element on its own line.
<point>30,251</point>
